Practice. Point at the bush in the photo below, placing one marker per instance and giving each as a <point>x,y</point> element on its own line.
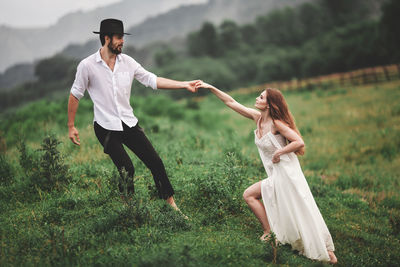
<point>162,106</point>
<point>163,216</point>
<point>134,213</point>
<point>45,169</point>
<point>218,192</point>
<point>53,172</point>
<point>166,258</point>
<point>55,69</point>
<point>6,172</point>
<point>394,219</point>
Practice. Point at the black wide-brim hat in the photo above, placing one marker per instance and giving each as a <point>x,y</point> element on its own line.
<point>112,26</point>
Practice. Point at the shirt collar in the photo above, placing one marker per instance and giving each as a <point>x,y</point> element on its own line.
<point>119,57</point>
<point>98,56</point>
<point>99,59</point>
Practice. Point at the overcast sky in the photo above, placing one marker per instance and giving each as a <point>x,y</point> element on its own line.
<point>38,13</point>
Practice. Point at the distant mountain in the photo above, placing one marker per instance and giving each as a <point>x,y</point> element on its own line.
<point>185,19</point>
<point>177,23</point>
<point>26,45</point>
<point>15,75</point>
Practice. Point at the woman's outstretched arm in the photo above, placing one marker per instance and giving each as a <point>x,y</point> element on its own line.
<point>249,113</point>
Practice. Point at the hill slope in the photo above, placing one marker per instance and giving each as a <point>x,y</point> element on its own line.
<point>352,164</point>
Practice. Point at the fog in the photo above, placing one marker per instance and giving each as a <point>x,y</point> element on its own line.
<point>43,13</point>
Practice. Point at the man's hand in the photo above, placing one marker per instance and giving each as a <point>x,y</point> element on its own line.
<point>74,135</point>
<point>192,86</point>
<point>165,83</point>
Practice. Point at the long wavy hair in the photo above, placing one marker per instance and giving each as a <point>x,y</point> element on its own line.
<point>278,110</point>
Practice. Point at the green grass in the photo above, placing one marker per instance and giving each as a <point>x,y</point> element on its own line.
<point>352,165</point>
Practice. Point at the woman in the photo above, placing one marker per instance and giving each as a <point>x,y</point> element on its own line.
<point>289,209</point>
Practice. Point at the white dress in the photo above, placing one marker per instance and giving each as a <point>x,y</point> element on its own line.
<point>292,212</point>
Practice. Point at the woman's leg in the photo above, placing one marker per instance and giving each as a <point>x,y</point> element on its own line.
<point>252,196</point>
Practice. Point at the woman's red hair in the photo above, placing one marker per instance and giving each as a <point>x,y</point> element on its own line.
<point>278,110</point>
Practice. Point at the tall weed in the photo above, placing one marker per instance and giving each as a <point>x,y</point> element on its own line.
<point>6,171</point>
<point>45,168</point>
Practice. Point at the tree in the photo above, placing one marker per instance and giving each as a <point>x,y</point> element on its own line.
<point>249,34</point>
<point>55,69</point>
<point>230,37</point>
<point>164,56</point>
<point>279,27</point>
<point>341,12</point>
<point>311,21</point>
<point>390,30</point>
<point>204,42</point>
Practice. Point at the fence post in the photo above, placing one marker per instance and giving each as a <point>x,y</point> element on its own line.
<point>299,83</point>
<point>352,78</point>
<point>320,82</point>
<point>342,75</point>
<point>398,69</point>
<point>386,73</point>
<point>364,76</point>
<point>290,85</point>
<point>374,74</point>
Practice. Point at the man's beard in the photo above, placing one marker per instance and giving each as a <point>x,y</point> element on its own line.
<point>114,49</point>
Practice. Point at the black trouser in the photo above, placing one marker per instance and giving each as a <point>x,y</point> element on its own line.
<point>135,139</point>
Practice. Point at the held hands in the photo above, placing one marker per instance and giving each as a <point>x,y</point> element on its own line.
<point>193,86</point>
<point>204,85</point>
<point>74,135</point>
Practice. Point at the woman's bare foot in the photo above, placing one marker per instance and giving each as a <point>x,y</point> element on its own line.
<point>265,237</point>
<point>332,257</point>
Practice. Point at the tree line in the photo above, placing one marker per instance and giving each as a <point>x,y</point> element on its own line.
<point>293,43</point>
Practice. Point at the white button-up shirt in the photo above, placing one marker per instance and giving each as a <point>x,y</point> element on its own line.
<point>110,90</point>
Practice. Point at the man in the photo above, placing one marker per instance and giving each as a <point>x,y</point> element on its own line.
<point>107,75</point>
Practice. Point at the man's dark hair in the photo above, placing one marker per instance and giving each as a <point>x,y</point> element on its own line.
<point>103,36</point>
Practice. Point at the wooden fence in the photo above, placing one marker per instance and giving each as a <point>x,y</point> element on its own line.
<point>351,78</point>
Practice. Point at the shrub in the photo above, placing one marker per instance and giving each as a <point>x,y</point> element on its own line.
<point>167,257</point>
<point>135,213</point>
<point>6,173</point>
<point>45,169</point>
<point>218,191</point>
<point>27,159</point>
<point>164,216</point>
<point>53,172</point>
<point>394,219</point>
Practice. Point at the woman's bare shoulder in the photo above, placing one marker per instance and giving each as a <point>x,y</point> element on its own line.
<point>255,114</point>
<point>279,126</point>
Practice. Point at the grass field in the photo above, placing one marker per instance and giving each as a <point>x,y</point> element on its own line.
<point>69,212</point>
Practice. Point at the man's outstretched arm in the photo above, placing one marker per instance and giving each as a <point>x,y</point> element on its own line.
<point>164,83</point>
<point>73,134</point>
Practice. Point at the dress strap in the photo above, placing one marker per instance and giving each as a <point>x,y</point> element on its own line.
<point>277,145</point>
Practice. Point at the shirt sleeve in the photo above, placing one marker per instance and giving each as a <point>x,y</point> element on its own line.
<point>146,77</point>
<point>81,81</point>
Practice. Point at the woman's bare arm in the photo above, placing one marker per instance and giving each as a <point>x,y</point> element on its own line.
<point>249,113</point>
<point>296,142</point>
